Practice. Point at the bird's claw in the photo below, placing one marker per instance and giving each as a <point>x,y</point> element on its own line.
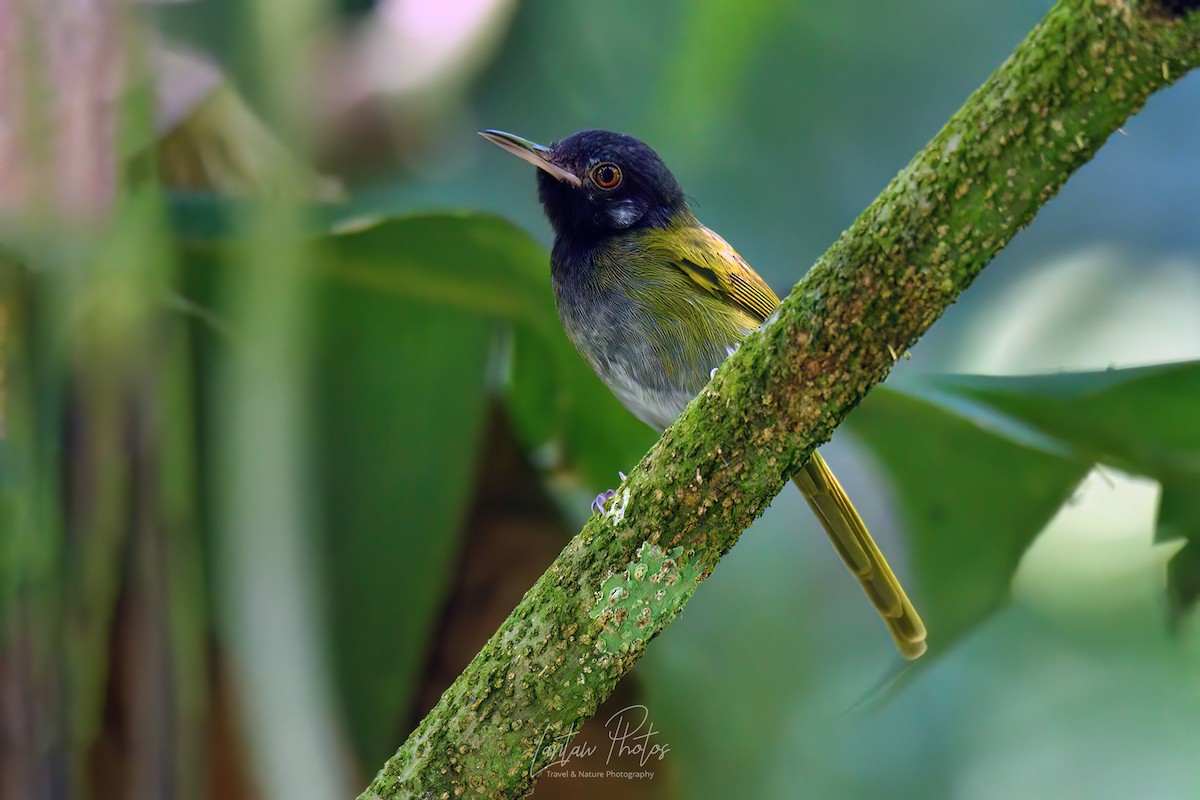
<point>604,497</point>
<point>729,350</point>
<point>601,499</point>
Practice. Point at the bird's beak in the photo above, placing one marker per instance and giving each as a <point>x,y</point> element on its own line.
<point>535,154</point>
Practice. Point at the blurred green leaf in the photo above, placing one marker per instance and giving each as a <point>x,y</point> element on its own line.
<point>535,401</point>
<point>972,500</point>
<point>1179,518</point>
<point>1141,420</point>
<point>981,464</point>
<point>595,435</point>
<point>397,485</point>
<point>465,263</point>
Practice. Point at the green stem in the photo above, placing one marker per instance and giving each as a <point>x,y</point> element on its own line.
<point>1074,80</point>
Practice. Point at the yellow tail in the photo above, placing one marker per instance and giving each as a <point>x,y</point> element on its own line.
<point>856,547</point>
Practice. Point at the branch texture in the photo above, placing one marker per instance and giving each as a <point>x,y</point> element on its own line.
<point>1087,67</point>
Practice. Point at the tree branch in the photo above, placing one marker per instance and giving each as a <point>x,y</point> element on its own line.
<point>1067,87</point>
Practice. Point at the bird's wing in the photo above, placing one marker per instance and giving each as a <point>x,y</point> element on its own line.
<point>715,266</point>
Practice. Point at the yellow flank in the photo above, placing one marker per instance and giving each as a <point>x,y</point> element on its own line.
<point>862,556</point>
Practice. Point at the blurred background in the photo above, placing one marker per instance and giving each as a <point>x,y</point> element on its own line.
<point>287,424</point>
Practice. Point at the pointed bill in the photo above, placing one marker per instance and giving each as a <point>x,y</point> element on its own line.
<point>535,154</point>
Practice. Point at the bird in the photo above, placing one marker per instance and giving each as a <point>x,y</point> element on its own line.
<point>654,301</point>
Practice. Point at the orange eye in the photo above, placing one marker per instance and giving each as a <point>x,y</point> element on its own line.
<point>606,175</point>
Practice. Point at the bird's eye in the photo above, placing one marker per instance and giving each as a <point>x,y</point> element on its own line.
<point>606,175</point>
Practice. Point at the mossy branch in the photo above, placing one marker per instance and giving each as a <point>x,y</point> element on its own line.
<point>1075,79</point>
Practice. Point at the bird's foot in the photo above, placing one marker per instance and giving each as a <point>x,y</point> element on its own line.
<point>604,497</point>
<point>601,499</point>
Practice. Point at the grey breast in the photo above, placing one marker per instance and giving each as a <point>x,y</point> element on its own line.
<point>611,333</point>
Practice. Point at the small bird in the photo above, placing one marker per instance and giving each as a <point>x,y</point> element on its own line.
<point>655,301</point>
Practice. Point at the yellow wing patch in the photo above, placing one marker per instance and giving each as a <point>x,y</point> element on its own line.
<point>713,265</point>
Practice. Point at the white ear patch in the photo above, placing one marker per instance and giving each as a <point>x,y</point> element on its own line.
<point>625,213</point>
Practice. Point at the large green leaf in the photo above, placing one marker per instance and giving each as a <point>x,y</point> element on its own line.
<point>981,463</point>
<point>1142,420</point>
<point>400,400</point>
<point>972,500</point>
<point>1179,518</point>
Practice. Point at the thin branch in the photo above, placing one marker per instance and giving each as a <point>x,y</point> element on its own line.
<point>1076,78</point>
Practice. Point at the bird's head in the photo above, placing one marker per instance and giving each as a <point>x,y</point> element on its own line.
<point>595,182</point>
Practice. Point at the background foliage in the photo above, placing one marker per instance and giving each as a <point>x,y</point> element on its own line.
<point>445,439</point>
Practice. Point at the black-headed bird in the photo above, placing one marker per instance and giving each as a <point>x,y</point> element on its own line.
<point>655,301</point>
